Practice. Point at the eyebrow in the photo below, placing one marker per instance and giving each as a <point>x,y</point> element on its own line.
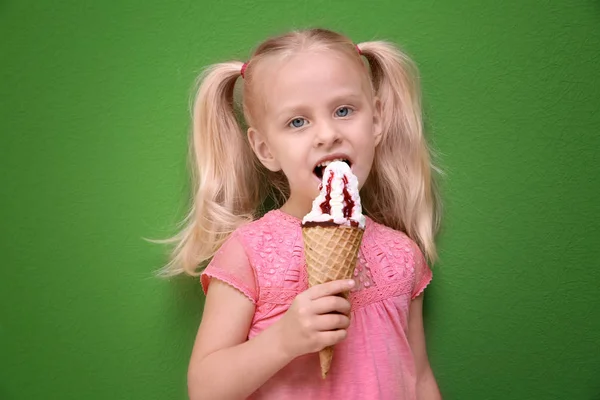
<point>352,97</point>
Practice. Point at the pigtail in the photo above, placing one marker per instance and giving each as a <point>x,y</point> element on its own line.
<point>225,173</point>
<point>401,192</point>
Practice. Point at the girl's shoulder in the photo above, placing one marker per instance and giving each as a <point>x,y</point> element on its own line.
<point>399,258</point>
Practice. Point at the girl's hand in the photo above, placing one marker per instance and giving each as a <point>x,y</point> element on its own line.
<point>316,319</point>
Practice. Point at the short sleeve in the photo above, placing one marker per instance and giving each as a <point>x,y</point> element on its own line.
<point>231,265</point>
<point>423,274</point>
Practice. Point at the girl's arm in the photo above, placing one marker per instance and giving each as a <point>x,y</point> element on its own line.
<point>427,388</point>
<point>223,364</point>
<point>226,365</point>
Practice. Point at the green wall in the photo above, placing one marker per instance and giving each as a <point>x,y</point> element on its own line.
<point>94,120</point>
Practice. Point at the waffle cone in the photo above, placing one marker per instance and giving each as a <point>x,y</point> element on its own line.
<point>331,253</point>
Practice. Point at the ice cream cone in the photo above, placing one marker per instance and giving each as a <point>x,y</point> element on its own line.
<point>332,233</point>
<point>331,253</point>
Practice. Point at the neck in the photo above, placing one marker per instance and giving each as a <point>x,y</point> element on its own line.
<point>297,207</point>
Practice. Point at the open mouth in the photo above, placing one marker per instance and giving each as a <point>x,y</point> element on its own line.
<point>320,168</point>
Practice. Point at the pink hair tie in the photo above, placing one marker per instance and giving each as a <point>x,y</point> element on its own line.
<point>359,51</point>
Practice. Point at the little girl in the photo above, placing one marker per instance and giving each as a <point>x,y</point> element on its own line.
<point>309,97</point>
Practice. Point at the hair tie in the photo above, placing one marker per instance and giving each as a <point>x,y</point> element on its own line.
<point>359,50</point>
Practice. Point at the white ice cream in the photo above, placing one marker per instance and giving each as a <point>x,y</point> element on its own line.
<point>339,169</point>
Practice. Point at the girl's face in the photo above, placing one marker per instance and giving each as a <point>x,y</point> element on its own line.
<point>318,106</point>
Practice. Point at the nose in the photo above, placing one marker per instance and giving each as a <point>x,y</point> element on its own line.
<point>327,135</point>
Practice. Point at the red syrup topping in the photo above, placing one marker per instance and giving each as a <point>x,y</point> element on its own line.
<point>325,206</point>
<point>349,203</point>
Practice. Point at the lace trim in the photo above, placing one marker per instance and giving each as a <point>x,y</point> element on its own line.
<point>358,299</point>
<point>420,286</point>
<point>378,293</point>
<point>278,296</point>
<point>362,273</point>
<point>231,281</point>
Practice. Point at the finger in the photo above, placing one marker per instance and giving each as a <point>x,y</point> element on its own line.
<point>329,338</point>
<point>330,288</point>
<point>331,304</point>
<point>331,322</point>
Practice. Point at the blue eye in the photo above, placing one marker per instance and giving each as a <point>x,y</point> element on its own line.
<point>297,123</point>
<point>343,112</point>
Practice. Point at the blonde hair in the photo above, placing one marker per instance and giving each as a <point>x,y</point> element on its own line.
<point>230,185</point>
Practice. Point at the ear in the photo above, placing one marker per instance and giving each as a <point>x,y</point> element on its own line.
<point>377,123</point>
<point>260,146</point>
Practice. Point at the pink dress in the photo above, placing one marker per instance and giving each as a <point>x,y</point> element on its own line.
<point>265,261</point>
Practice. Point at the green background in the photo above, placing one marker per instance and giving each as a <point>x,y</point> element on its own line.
<point>94,121</point>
